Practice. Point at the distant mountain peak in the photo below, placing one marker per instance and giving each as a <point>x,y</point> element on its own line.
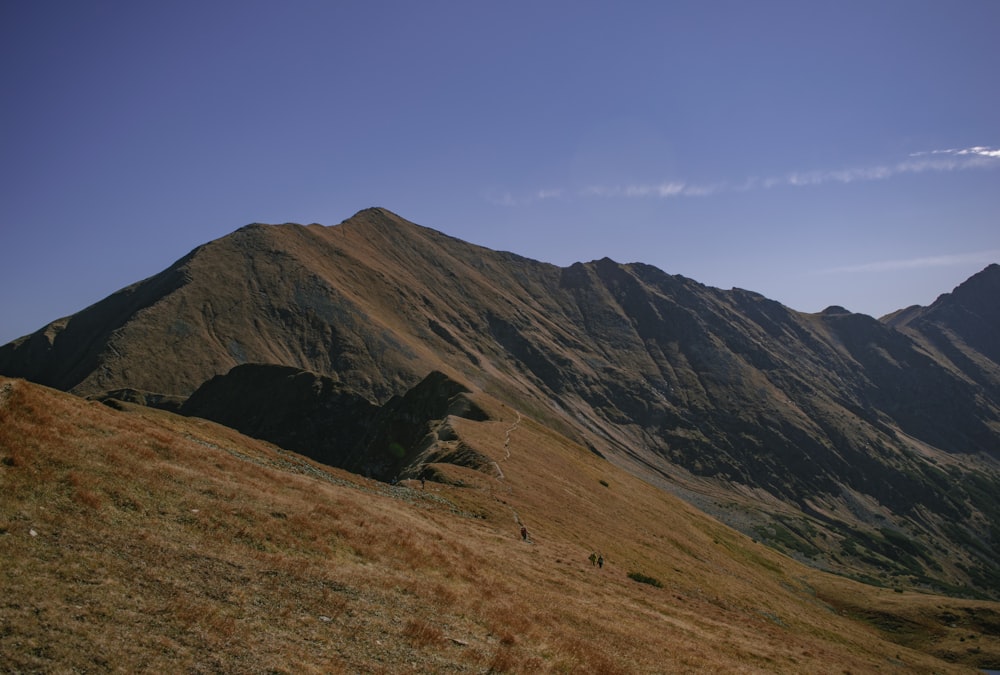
<point>376,211</point>
<point>982,287</point>
<point>376,214</point>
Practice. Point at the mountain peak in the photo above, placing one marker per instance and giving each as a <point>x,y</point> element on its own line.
<point>376,214</point>
<point>982,287</point>
<point>970,313</point>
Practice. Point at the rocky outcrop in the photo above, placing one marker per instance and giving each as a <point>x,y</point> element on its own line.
<point>295,409</point>
<point>321,419</point>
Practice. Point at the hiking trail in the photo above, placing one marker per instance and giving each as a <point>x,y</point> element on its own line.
<point>506,440</point>
<point>506,446</point>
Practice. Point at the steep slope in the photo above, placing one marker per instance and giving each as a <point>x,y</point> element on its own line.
<point>137,540</point>
<point>80,347</point>
<point>851,443</point>
<point>960,328</point>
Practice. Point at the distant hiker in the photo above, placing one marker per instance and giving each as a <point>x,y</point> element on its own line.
<point>593,559</point>
<point>524,533</point>
<point>421,483</point>
<point>600,561</point>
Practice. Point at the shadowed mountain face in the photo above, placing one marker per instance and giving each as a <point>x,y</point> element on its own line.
<point>317,417</point>
<point>961,329</point>
<point>865,446</point>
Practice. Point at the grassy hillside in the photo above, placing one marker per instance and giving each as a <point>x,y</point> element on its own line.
<point>136,540</point>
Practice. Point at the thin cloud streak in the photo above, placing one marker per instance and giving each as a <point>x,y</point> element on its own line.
<point>663,190</point>
<point>979,257</point>
<point>979,150</point>
<point>936,160</point>
<point>507,199</point>
<point>953,159</point>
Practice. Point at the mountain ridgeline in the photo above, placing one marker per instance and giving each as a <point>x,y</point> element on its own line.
<point>867,447</point>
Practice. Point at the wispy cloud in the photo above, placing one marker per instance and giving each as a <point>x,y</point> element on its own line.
<point>978,257</point>
<point>977,151</point>
<point>952,159</point>
<point>509,199</point>
<point>637,190</point>
<point>919,162</point>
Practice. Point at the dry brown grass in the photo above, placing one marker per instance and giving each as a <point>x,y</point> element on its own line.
<point>139,541</point>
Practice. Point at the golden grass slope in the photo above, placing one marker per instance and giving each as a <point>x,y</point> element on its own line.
<point>134,540</point>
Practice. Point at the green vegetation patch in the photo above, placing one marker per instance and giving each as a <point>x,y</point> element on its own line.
<point>790,536</point>
<point>643,579</point>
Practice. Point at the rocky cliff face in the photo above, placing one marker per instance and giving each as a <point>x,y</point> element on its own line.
<point>863,445</point>
<point>321,419</point>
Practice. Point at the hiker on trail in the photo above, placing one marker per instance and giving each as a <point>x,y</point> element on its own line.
<point>593,559</point>
<point>524,533</point>
<point>600,561</point>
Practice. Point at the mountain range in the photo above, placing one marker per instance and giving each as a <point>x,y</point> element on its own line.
<point>867,447</point>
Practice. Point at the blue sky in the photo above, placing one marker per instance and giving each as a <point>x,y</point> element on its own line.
<point>816,152</point>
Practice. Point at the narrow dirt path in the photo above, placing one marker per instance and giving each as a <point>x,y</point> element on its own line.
<point>506,440</point>
<point>506,446</point>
